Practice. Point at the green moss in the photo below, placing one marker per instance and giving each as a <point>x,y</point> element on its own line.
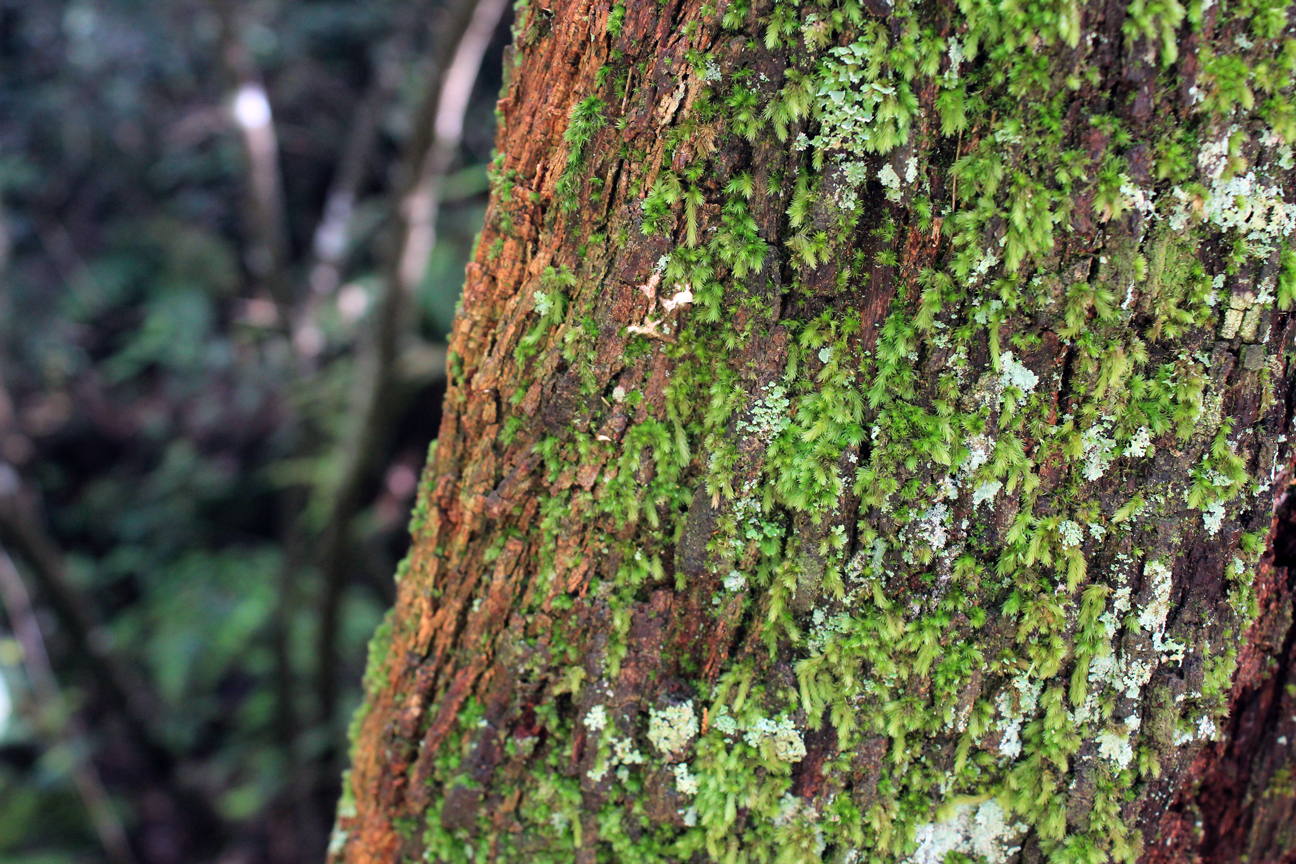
<point>586,119</point>
<point>550,305</point>
<point>374,678</point>
<point>616,20</point>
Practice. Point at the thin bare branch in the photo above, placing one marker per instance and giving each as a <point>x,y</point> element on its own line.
<point>332,235</point>
<point>423,202</point>
<point>266,244</point>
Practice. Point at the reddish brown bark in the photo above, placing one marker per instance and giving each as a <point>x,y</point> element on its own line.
<point>1237,800</point>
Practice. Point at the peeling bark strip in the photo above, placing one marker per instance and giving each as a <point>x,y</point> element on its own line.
<point>866,429</point>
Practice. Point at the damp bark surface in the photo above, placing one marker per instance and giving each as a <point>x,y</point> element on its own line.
<point>866,441</point>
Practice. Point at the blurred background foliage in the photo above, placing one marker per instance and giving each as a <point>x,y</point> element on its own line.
<point>217,387</point>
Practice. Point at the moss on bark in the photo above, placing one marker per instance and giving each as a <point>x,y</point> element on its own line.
<point>863,442</point>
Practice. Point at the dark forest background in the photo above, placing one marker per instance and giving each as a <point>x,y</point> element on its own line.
<point>222,325</point>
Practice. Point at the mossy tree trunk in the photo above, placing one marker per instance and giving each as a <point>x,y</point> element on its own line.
<point>865,442</point>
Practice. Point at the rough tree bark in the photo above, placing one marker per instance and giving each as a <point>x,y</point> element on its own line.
<point>866,441</point>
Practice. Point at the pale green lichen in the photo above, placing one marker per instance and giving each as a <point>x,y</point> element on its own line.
<point>890,182</point>
<point>1070,534</point>
<point>1213,517</point>
<point>1114,742</point>
<point>1099,450</point>
<point>620,753</point>
<point>860,109</point>
<point>983,831</point>
<point>1152,617</point>
<point>780,737</point>
<point>670,729</point>
<point>1140,443</point>
<point>685,783</point>
<point>986,492</point>
<point>596,718</point>
<point>543,304</point>
<point>1014,374</point>
<point>724,723</point>
<point>769,415</point>
<point>1017,704</point>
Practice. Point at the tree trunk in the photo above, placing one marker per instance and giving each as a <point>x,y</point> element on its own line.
<point>866,441</point>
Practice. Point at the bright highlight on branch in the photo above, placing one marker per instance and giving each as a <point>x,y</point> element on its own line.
<point>251,107</point>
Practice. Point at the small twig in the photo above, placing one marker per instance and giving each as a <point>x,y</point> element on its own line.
<point>626,97</point>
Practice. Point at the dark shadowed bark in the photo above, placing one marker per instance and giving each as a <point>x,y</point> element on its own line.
<point>866,441</point>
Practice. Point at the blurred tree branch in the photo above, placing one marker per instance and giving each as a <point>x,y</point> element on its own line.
<point>460,36</point>
<point>126,695</point>
<point>21,531</point>
<point>463,35</point>
<point>54,714</point>
<point>266,243</point>
<point>332,234</point>
<point>270,119</point>
<point>330,242</point>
